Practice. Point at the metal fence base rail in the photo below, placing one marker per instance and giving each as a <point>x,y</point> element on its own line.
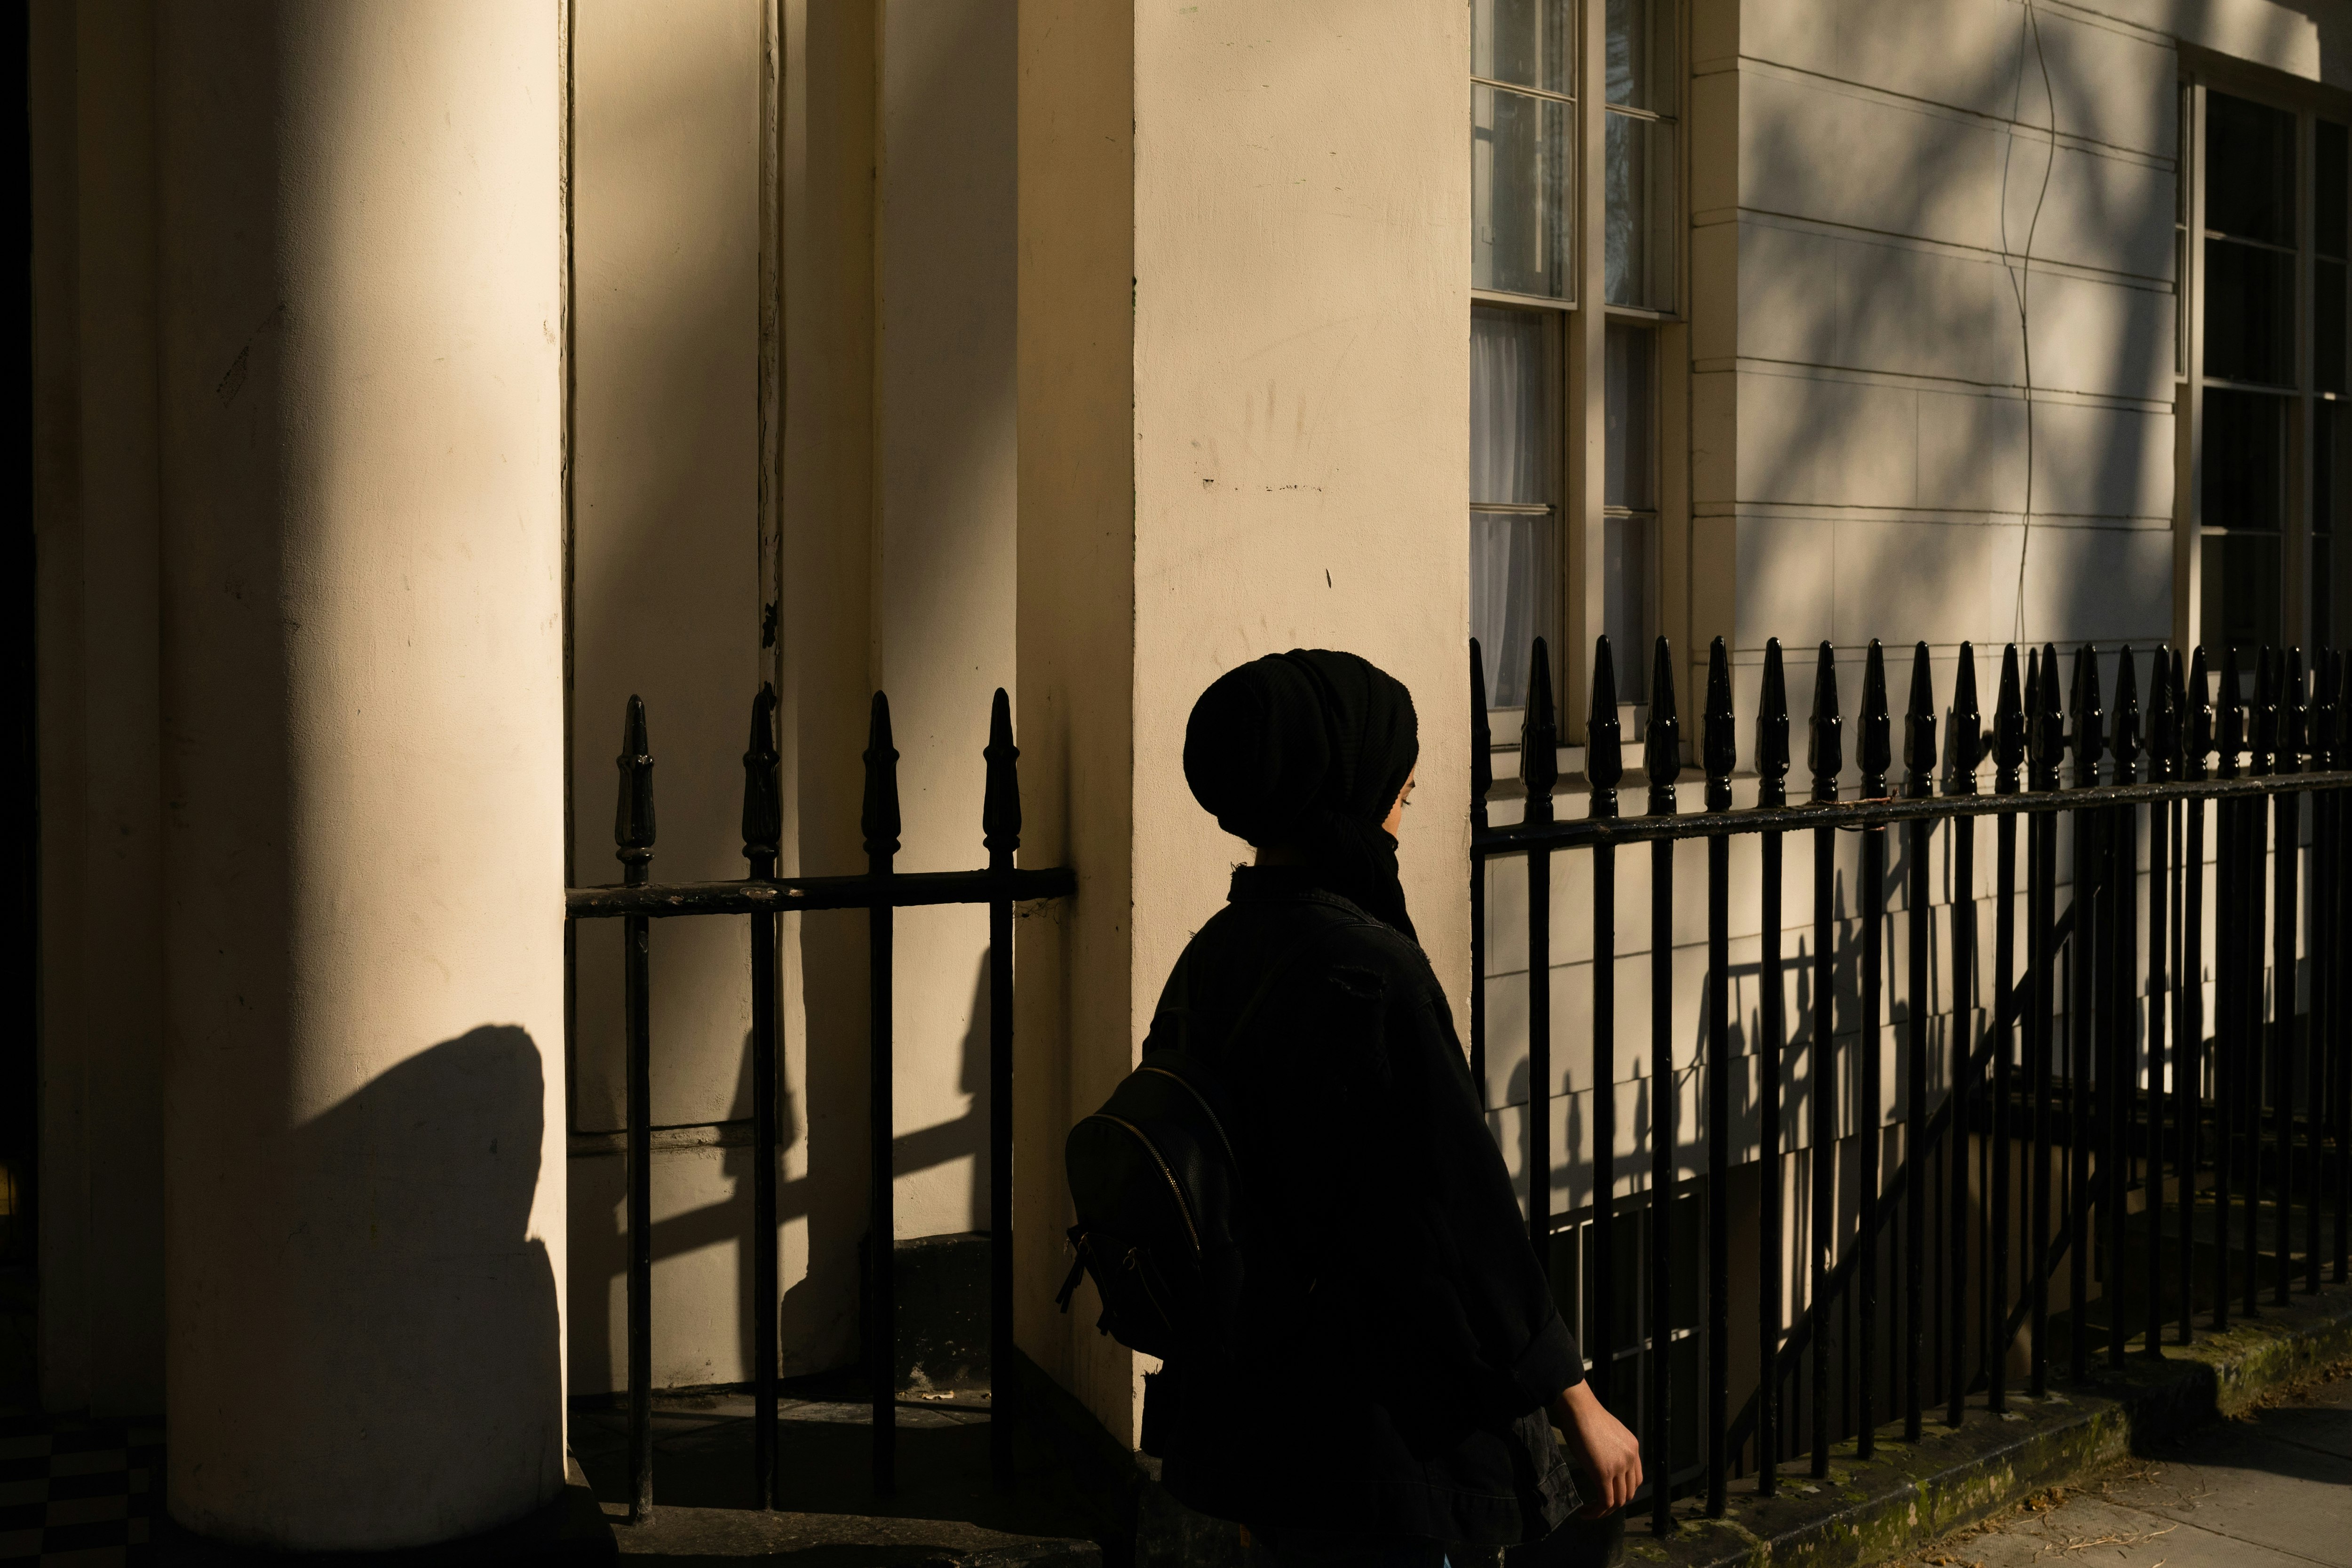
<point>2090,1165</point>
<point>763,895</point>
<point>1911,1494</point>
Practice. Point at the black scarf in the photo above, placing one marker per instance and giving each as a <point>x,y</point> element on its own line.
<point>1309,748</point>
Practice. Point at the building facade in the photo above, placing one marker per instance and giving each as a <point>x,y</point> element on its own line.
<point>415,383</point>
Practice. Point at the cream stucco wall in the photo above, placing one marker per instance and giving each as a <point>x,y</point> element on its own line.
<point>1264,446</point>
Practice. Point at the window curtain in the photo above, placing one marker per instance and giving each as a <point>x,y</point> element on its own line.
<point>1511,552</point>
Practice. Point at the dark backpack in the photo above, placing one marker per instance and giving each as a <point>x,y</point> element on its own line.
<point>1158,1189</point>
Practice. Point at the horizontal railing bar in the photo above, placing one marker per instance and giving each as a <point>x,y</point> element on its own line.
<point>898,890</point>
<point>1575,832</point>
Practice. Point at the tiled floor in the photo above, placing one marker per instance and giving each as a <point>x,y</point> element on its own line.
<point>77,1494</point>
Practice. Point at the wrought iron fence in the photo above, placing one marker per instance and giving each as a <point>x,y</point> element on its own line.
<point>2094,1079</point>
<point>639,900</point>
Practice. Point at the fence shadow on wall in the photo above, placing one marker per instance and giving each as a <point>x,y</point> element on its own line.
<point>2100,1152</point>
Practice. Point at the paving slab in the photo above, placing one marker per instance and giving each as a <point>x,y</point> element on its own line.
<point>2271,1487</point>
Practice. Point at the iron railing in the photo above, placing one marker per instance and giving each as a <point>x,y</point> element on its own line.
<point>762,895</point>
<point>2094,1109</point>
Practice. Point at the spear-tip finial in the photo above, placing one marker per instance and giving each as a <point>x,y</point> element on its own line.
<point>880,819</point>
<point>1876,743</point>
<point>632,817</point>
<point>1825,743</point>
<point>1720,740</point>
<point>1482,737</point>
<point>2089,740</point>
<point>2163,718</point>
<point>2007,725</point>
<point>1604,733</point>
<point>1539,736</point>
<point>2124,723</point>
<point>1772,729</point>
<point>1964,739</point>
<point>2197,709</point>
<point>763,806</point>
<point>1000,807</point>
<point>1662,739</point>
<point>2230,717</point>
<point>1919,727</point>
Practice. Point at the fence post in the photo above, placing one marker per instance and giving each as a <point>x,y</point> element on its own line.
<point>2286,816</point>
<point>632,832</point>
<point>1825,759</point>
<point>763,827</point>
<point>1539,771</point>
<point>1875,755</point>
<point>1000,823</point>
<point>1963,750</point>
<point>1719,754</point>
<point>1919,783</point>
<point>2089,1024</point>
<point>1771,760</point>
<point>1604,767</point>
<point>2046,744</point>
<point>879,823</point>
<point>2122,996</point>
<point>2163,767</point>
<point>1662,756</point>
<point>1482,782</point>
<point>2009,757</point>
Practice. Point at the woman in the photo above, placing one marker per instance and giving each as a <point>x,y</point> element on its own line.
<point>1400,1352</point>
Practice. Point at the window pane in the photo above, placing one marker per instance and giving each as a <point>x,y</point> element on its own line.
<point>2330,174</point>
<point>1639,259</point>
<point>2241,594</point>
<point>1519,180</point>
<point>2328,325</point>
<point>1511,597</point>
<point>1629,470</point>
<point>1626,544</point>
<point>1640,61</point>
<point>1523,41</point>
<point>2249,170</point>
<point>2249,313</point>
<point>1510,449</point>
<point>2244,485</point>
<point>2331,522</point>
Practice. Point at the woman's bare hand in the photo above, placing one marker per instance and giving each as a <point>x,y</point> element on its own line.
<point>1602,1452</point>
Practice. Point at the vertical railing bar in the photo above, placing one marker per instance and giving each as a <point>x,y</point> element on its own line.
<point>2086,1013</point>
<point>1963,748</point>
<point>1482,782</point>
<point>1875,746</point>
<point>2008,756</point>
<point>633,832</point>
<point>1771,763</point>
<point>763,827</point>
<point>1604,766</point>
<point>1000,821</point>
<point>1825,754</point>
<point>1662,756</point>
<point>2046,736</point>
<point>2339,1012</point>
<point>880,825</point>
<point>2188,967</point>
<point>2254,821</point>
<point>1919,783</point>
<point>2319,740</point>
<point>2287,828</point>
<point>1718,757</point>
<point>1539,771</point>
<point>2121,1088</point>
<point>2164,766</point>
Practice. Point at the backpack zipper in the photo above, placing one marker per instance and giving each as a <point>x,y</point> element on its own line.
<point>1206,1109</point>
<point>1166,1175</point>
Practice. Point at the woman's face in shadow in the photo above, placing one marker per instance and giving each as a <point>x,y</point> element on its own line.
<point>1394,825</point>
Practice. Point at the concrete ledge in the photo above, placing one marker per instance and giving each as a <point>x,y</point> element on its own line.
<point>1908,1494</point>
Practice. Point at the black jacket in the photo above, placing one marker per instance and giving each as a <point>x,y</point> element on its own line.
<point>1399,1342</point>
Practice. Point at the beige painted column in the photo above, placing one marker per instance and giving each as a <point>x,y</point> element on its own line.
<point>1244,363</point>
<point>360,412</point>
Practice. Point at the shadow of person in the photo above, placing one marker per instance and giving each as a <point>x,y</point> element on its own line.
<point>417,1309</point>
